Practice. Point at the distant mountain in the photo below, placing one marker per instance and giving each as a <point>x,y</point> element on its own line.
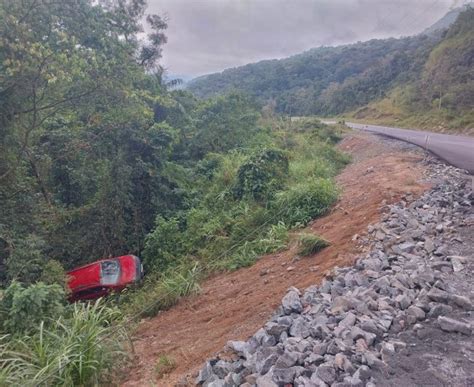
<point>426,71</point>
<point>446,21</point>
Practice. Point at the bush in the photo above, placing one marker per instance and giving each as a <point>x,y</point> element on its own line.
<point>54,273</point>
<point>309,244</point>
<point>23,309</point>
<point>261,175</point>
<point>305,201</point>
<point>26,260</point>
<point>163,245</point>
<point>84,349</point>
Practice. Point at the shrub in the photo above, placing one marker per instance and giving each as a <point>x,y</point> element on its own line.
<point>54,273</point>
<point>163,245</point>
<point>309,244</point>
<point>26,260</point>
<point>262,174</point>
<point>305,201</point>
<point>84,349</point>
<point>23,309</point>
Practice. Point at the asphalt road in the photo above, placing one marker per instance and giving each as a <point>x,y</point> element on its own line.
<point>456,150</point>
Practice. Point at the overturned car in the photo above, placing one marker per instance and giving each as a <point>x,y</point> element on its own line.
<point>103,277</point>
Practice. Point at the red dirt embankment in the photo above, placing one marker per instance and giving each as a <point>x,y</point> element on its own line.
<point>232,306</point>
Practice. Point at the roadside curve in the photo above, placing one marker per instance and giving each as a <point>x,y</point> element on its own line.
<point>456,150</point>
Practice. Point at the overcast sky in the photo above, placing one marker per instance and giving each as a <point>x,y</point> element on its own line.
<point>206,36</point>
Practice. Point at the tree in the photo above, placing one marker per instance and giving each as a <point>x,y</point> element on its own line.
<point>81,164</point>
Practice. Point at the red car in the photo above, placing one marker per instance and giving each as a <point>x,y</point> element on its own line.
<point>102,277</point>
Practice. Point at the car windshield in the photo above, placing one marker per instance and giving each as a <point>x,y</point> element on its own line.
<point>110,272</point>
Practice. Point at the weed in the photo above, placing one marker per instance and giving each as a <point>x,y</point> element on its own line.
<point>309,244</point>
<point>164,365</point>
<point>162,291</point>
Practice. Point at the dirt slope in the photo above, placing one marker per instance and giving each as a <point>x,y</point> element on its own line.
<point>235,305</point>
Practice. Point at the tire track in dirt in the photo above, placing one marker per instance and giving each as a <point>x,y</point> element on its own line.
<point>234,305</point>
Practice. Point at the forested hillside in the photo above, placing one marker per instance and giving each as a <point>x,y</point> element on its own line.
<point>99,158</point>
<point>421,70</point>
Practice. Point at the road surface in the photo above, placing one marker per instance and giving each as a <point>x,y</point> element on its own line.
<point>456,150</point>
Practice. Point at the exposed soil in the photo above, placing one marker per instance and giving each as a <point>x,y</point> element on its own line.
<point>234,305</point>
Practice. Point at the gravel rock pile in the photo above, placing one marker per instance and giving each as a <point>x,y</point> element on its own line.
<point>344,331</point>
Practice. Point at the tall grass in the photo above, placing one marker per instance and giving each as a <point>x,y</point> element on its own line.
<point>83,349</point>
<point>163,290</point>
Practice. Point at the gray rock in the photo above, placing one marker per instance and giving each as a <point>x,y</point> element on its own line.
<point>251,379</point>
<point>362,373</point>
<point>286,360</point>
<point>314,359</point>
<point>215,383</point>
<point>416,312</point>
<point>357,333</point>
<point>299,328</point>
<point>275,329</point>
<point>284,375</point>
<point>457,265</point>
<point>232,380</point>
<point>442,266</point>
<point>429,245</point>
<point>452,325</point>
<point>292,303</point>
<point>343,363</point>
<point>264,339</point>
<point>342,304</point>
<point>406,247</point>
<point>265,358</point>
<point>403,301</point>
<point>461,301</point>
<point>327,373</point>
<point>348,321</point>
<point>320,348</point>
<point>316,381</point>
<point>239,347</point>
<point>266,380</point>
<point>439,310</point>
<point>205,373</point>
<point>438,295</point>
<point>222,369</point>
<point>369,325</point>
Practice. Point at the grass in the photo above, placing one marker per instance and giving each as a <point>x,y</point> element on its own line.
<point>309,244</point>
<point>164,365</point>
<point>83,349</point>
<point>162,291</point>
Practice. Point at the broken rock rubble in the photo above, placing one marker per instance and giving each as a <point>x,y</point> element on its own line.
<point>339,333</point>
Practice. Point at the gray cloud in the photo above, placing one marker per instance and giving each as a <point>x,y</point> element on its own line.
<point>206,36</point>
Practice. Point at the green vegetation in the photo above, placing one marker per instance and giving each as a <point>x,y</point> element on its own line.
<point>84,347</point>
<point>441,97</point>
<point>424,80</point>
<point>164,365</point>
<point>309,244</point>
<point>99,157</point>
<point>249,198</point>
